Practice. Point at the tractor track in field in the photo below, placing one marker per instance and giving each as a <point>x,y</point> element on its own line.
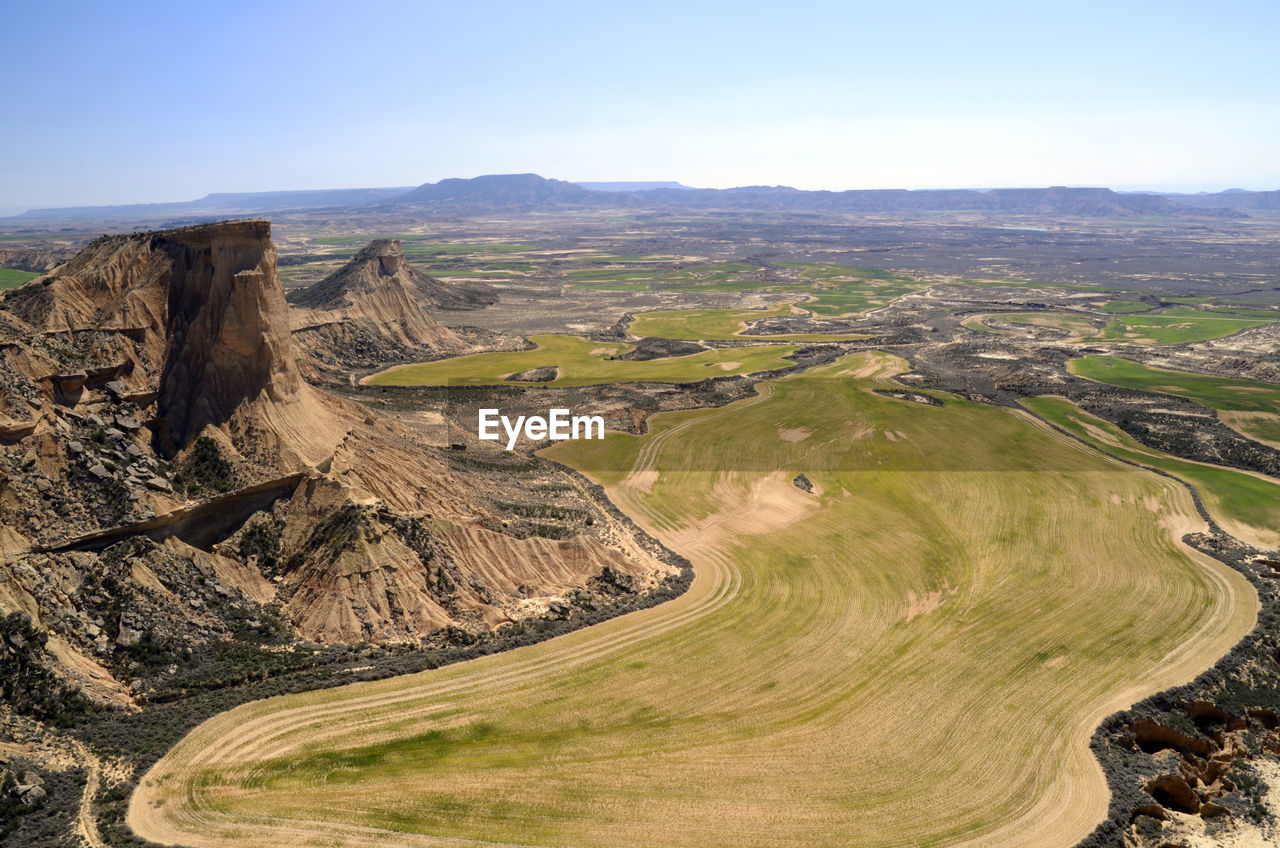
<point>1040,810</point>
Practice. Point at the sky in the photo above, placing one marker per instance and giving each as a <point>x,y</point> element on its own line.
<point>132,102</point>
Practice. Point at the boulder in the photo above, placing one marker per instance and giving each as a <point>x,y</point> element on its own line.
<point>127,637</point>
<point>159,484</point>
<point>29,794</point>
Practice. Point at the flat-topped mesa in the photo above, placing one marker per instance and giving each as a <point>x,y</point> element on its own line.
<point>228,340</point>
<point>193,317</point>
<point>112,299</point>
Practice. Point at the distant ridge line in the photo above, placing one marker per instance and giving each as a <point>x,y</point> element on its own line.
<point>531,192</point>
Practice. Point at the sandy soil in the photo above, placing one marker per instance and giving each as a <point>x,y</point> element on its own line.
<point>794,434</point>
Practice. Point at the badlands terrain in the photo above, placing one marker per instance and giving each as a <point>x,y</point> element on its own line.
<point>919,520</point>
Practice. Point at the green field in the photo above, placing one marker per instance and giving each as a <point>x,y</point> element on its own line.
<point>1261,426</point>
<point>1077,325</point>
<point>487,273</point>
<point>1246,505</point>
<point>1251,408</point>
<point>833,289</point>
<point>915,654</point>
<point>720,325</point>
<point>1265,315</point>
<point>842,290</point>
<point>1117,307</point>
<point>1217,392</point>
<point>11,278</point>
<point>704,275</point>
<point>1174,325</point>
<point>615,274</point>
<point>582,363</point>
<point>703,324</point>
<point>1179,325</point>
<point>635,257</point>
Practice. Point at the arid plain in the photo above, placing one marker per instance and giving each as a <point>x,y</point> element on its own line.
<point>905,531</point>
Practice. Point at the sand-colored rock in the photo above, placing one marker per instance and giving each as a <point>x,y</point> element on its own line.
<point>120,361</point>
<point>373,308</point>
<point>195,315</point>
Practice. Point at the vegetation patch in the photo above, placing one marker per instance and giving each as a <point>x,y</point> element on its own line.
<point>1179,325</point>
<point>11,278</point>
<point>28,685</point>
<point>936,568</point>
<point>1217,392</point>
<point>841,290</point>
<point>1248,505</point>
<point>205,469</point>
<point>583,362</point>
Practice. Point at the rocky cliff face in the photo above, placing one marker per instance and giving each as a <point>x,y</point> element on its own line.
<point>194,317</point>
<point>169,483</point>
<point>370,311</point>
<point>227,329</point>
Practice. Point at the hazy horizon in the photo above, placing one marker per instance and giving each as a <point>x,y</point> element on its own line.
<point>162,103</point>
<point>8,211</point>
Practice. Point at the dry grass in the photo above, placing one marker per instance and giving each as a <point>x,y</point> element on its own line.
<point>915,656</point>
<point>722,325</point>
<point>582,363</point>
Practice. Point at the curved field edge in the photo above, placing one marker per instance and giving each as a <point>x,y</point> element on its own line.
<point>1221,393</point>
<point>899,658</point>
<point>582,362</point>
<point>1178,325</point>
<point>1249,407</point>
<point>1244,503</point>
<point>725,324</point>
<point>1242,684</point>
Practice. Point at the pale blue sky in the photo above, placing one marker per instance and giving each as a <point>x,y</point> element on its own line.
<point>137,102</point>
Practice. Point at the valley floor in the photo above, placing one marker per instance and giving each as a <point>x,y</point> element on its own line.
<point>916,651</point>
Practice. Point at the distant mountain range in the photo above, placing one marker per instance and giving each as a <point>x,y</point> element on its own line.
<point>640,186</point>
<point>225,204</point>
<point>497,191</point>
<point>1234,198</point>
<point>530,192</point>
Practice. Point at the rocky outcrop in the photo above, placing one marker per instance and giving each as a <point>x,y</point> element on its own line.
<point>436,294</point>
<point>169,482</point>
<point>228,362</point>
<point>371,311</point>
<point>37,257</point>
<point>653,348</point>
<point>536,375</point>
<point>371,269</point>
<point>194,316</point>
<point>350,570</point>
